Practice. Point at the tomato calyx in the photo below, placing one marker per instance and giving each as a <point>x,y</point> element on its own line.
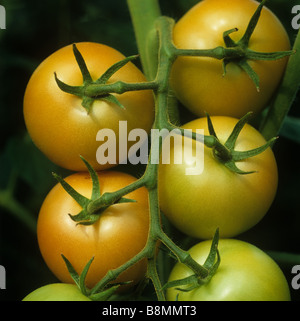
<point>92,90</point>
<point>90,212</point>
<point>94,294</point>
<point>244,53</point>
<point>211,264</point>
<point>226,154</point>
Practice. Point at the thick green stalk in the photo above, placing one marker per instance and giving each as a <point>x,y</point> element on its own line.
<point>143,15</point>
<point>285,96</point>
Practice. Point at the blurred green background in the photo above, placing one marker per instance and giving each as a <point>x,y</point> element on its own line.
<point>35,29</point>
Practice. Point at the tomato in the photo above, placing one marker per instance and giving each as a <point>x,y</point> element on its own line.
<point>218,197</point>
<point>56,121</point>
<point>56,292</point>
<point>199,83</point>
<point>245,273</point>
<point>120,233</point>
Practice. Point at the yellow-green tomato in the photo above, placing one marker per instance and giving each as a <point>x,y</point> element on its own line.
<point>245,273</point>
<point>217,197</point>
<point>199,83</point>
<point>57,292</point>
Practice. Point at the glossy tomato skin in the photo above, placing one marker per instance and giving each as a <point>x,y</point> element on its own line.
<point>199,82</point>
<point>198,204</point>
<point>57,292</point>
<point>56,121</point>
<point>245,273</point>
<point>120,233</point>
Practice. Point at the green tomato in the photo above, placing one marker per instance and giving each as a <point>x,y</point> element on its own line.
<point>57,292</point>
<point>245,273</point>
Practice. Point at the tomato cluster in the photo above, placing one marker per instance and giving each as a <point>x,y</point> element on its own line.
<point>232,199</point>
<point>64,130</point>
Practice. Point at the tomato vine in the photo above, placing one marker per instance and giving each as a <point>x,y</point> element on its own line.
<point>158,53</point>
<point>158,31</point>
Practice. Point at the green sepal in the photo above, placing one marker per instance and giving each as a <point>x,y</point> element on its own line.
<point>225,153</point>
<point>247,54</point>
<point>105,295</point>
<point>232,166</point>
<point>96,192</point>
<point>87,79</point>
<point>74,275</point>
<point>255,55</point>
<point>210,126</point>
<point>87,103</point>
<point>125,200</point>
<point>211,263</point>
<point>80,91</point>
<point>80,199</point>
<point>81,284</point>
<point>191,279</point>
<point>243,63</point>
<point>244,41</point>
<point>84,218</point>
<point>73,90</point>
<point>78,279</point>
<point>113,69</point>
<point>230,142</point>
<point>112,100</point>
<point>241,155</point>
<point>227,40</point>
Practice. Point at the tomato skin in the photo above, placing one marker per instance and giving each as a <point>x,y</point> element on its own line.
<point>199,83</point>
<point>120,233</point>
<point>245,273</point>
<point>56,121</point>
<point>218,198</point>
<point>56,292</point>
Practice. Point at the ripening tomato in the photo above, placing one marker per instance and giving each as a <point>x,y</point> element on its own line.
<point>56,292</point>
<point>245,273</point>
<point>57,122</point>
<point>198,204</point>
<point>199,83</point>
<point>119,234</point>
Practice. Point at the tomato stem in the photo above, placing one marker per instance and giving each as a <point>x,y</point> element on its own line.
<point>143,15</point>
<point>285,96</point>
<point>158,52</point>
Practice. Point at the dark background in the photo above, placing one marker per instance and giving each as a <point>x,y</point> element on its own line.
<point>34,30</point>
